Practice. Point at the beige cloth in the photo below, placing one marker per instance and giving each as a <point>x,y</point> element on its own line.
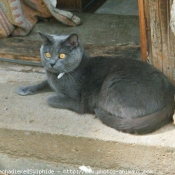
<point>18,17</point>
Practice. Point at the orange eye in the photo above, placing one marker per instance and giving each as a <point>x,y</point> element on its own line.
<point>62,56</point>
<point>48,55</point>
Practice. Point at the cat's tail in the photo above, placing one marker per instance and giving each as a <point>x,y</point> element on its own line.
<point>143,125</point>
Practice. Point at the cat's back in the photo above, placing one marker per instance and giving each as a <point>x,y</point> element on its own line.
<point>126,72</point>
<point>122,67</point>
<point>129,77</point>
<point>129,82</point>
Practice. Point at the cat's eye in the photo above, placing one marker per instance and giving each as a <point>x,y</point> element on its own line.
<point>48,55</point>
<point>62,56</point>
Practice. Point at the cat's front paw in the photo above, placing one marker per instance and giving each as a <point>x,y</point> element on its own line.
<point>24,90</point>
<point>53,101</point>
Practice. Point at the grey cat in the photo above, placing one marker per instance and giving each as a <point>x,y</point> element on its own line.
<point>128,95</point>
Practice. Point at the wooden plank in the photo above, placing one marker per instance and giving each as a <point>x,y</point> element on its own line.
<point>75,5</point>
<point>161,41</point>
<point>148,30</point>
<point>143,35</point>
<point>22,49</point>
<point>14,48</point>
<point>171,38</point>
<point>164,17</point>
<point>93,6</point>
<point>70,4</point>
<point>171,47</point>
<point>87,6</point>
<point>156,37</point>
<point>113,51</point>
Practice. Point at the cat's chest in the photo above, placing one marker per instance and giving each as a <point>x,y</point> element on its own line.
<point>55,83</point>
<point>67,84</point>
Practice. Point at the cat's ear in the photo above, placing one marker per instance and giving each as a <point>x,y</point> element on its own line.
<point>72,41</point>
<point>47,39</point>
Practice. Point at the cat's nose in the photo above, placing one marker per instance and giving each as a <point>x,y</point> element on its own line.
<point>52,64</point>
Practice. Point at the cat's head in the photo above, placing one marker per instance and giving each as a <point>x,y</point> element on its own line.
<point>60,54</point>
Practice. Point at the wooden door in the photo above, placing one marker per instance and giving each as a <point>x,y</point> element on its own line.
<point>157,39</point>
<point>73,5</point>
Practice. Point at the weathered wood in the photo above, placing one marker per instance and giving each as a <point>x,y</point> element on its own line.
<point>160,38</point>
<point>164,17</point>
<point>113,51</point>
<point>171,47</point>
<point>171,39</point>
<point>71,4</point>
<point>148,29</point>
<point>22,49</point>
<point>77,5</point>
<point>143,35</point>
<point>156,37</point>
<point>89,6</point>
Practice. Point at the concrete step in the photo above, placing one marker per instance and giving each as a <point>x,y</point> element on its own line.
<point>25,166</point>
<point>29,128</point>
<point>119,7</point>
<point>96,29</point>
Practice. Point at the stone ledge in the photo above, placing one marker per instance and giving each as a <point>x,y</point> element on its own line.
<point>30,128</point>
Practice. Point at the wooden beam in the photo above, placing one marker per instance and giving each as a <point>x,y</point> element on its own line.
<point>143,36</point>
<point>22,49</point>
<point>159,46</point>
<point>171,46</point>
<point>159,35</point>
<point>70,5</point>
